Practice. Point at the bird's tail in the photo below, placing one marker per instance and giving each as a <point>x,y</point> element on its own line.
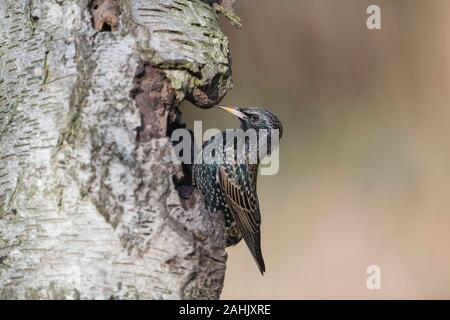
<point>255,249</point>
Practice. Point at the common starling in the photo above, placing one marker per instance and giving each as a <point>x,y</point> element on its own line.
<point>229,185</point>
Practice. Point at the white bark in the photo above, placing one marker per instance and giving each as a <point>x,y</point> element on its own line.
<point>87,210</point>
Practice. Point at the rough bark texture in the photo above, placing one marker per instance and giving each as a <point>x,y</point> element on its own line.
<point>88,206</point>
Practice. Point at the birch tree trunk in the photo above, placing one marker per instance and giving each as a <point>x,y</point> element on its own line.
<point>89,91</point>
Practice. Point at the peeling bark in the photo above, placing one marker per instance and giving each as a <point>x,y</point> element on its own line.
<point>88,206</point>
<point>155,99</point>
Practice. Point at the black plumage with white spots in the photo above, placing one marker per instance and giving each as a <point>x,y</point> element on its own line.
<point>230,186</point>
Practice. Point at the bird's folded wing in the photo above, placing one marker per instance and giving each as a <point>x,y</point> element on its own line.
<point>239,184</point>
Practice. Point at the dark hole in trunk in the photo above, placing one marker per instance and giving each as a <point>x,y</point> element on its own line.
<point>106,28</point>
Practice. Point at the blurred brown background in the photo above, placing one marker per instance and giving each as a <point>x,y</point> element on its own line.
<point>365,158</point>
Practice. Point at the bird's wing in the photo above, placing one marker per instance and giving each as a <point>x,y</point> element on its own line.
<point>239,185</point>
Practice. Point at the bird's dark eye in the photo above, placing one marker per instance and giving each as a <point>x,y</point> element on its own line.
<point>255,117</point>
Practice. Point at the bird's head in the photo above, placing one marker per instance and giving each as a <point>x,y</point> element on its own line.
<point>255,118</point>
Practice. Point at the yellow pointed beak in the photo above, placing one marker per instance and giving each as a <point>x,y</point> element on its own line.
<point>233,111</point>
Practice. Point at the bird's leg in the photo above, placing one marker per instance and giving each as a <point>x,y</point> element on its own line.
<point>185,191</point>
